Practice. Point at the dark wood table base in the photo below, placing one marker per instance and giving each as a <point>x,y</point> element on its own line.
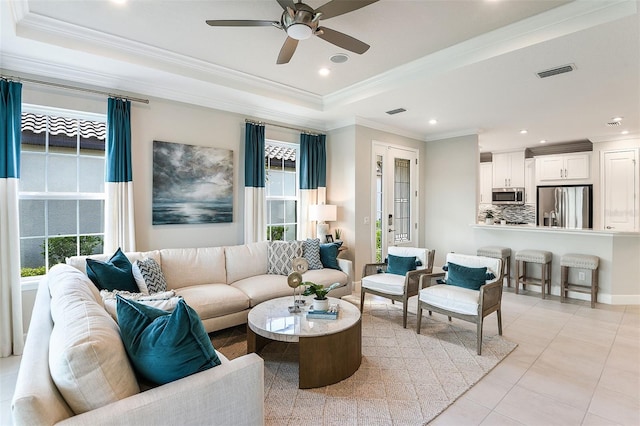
<point>323,360</point>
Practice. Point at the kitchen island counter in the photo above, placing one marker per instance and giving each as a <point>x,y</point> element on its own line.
<point>619,253</point>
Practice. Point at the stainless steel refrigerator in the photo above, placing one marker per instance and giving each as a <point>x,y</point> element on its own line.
<point>565,206</point>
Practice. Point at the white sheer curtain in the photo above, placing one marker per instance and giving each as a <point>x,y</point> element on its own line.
<point>11,330</point>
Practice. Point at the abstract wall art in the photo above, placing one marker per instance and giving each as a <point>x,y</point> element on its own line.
<point>191,184</point>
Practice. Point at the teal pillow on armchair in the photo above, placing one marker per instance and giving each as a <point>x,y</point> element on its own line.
<point>400,265</point>
<point>462,276</point>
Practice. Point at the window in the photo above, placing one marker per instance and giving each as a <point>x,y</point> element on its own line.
<point>281,188</point>
<point>61,189</point>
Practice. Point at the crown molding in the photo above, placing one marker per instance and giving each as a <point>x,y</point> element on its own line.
<point>572,17</point>
<point>53,31</point>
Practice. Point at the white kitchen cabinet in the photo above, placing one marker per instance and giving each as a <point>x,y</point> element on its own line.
<point>620,194</point>
<point>486,182</point>
<point>529,181</point>
<point>508,170</point>
<point>563,167</point>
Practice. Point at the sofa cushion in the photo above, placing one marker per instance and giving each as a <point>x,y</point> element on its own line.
<point>326,277</point>
<point>263,287</point>
<point>214,300</point>
<point>114,274</point>
<point>163,346</point>
<point>193,266</point>
<point>80,262</point>
<point>311,252</point>
<point>246,261</point>
<point>452,298</point>
<point>281,253</point>
<point>329,255</point>
<point>166,300</point>
<point>87,360</point>
<point>151,274</point>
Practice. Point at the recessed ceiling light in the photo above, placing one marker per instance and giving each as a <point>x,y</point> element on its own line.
<point>543,141</point>
<point>119,1</point>
<point>433,121</point>
<point>524,131</point>
<point>339,58</point>
<point>625,132</point>
<point>324,72</point>
<point>616,119</point>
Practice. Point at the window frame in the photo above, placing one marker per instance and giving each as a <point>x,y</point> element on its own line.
<point>295,198</point>
<point>77,196</point>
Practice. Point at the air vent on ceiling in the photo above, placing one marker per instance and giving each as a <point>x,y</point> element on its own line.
<point>396,111</point>
<point>555,71</point>
<point>614,123</point>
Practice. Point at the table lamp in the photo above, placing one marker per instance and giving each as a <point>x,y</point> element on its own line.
<point>322,213</point>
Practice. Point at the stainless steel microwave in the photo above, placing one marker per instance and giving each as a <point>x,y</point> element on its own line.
<point>507,196</point>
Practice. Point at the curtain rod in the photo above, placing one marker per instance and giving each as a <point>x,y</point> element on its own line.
<point>264,123</point>
<point>80,89</point>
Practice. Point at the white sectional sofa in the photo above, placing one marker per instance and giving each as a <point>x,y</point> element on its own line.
<point>220,283</point>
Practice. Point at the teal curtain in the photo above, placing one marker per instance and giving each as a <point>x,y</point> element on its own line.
<point>11,333</point>
<point>254,156</point>
<point>255,204</point>
<point>313,180</point>
<point>119,225</point>
<point>313,161</point>
<point>118,141</point>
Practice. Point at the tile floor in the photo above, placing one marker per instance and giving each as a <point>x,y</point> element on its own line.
<point>574,366</point>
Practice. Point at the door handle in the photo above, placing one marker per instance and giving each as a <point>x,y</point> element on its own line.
<point>566,175</point>
<point>391,230</point>
<point>609,227</point>
<point>561,173</point>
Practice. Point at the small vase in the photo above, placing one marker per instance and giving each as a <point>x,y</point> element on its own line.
<point>488,221</point>
<point>320,304</point>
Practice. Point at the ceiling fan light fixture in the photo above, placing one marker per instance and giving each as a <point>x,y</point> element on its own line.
<point>299,31</point>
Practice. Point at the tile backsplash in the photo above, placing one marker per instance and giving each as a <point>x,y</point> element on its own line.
<point>525,213</point>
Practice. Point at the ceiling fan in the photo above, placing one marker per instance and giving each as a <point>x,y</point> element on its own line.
<point>301,21</point>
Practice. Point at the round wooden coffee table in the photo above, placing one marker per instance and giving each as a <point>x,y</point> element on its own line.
<point>330,349</point>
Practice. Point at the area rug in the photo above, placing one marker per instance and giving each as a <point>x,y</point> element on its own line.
<point>404,379</point>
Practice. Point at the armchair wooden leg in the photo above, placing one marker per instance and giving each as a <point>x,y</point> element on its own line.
<point>361,299</point>
<point>404,314</point>
<point>499,322</point>
<point>419,318</point>
<point>479,331</point>
<point>449,319</point>
<point>517,276</point>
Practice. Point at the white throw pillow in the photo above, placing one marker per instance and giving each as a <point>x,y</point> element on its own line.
<point>87,359</point>
<point>166,300</point>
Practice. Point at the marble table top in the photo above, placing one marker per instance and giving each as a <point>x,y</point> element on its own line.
<point>272,319</point>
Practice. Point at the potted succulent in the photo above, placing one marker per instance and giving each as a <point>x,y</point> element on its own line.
<point>320,301</point>
<point>488,218</point>
<point>338,233</point>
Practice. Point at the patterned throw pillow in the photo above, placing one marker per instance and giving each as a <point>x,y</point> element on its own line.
<point>281,253</point>
<point>152,275</point>
<point>311,252</point>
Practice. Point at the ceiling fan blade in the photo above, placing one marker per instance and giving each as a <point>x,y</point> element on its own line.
<point>286,3</point>
<point>342,40</point>
<point>340,7</point>
<point>241,23</point>
<point>288,48</point>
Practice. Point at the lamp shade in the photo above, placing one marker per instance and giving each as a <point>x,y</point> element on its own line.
<point>323,212</point>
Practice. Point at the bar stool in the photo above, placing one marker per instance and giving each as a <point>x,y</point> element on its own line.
<point>540,257</point>
<point>579,261</point>
<point>498,252</point>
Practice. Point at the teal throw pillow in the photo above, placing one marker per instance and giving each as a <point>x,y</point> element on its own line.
<point>329,255</point>
<point>462,276</point>
<point>400,265</point>
<point>164,346</point>
<point>114,274</point>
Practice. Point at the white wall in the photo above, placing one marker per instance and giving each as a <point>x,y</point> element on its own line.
<point>450,195</point>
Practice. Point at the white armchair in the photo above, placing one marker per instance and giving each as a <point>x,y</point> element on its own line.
<point>464,303</point>
<point>376,280</point>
